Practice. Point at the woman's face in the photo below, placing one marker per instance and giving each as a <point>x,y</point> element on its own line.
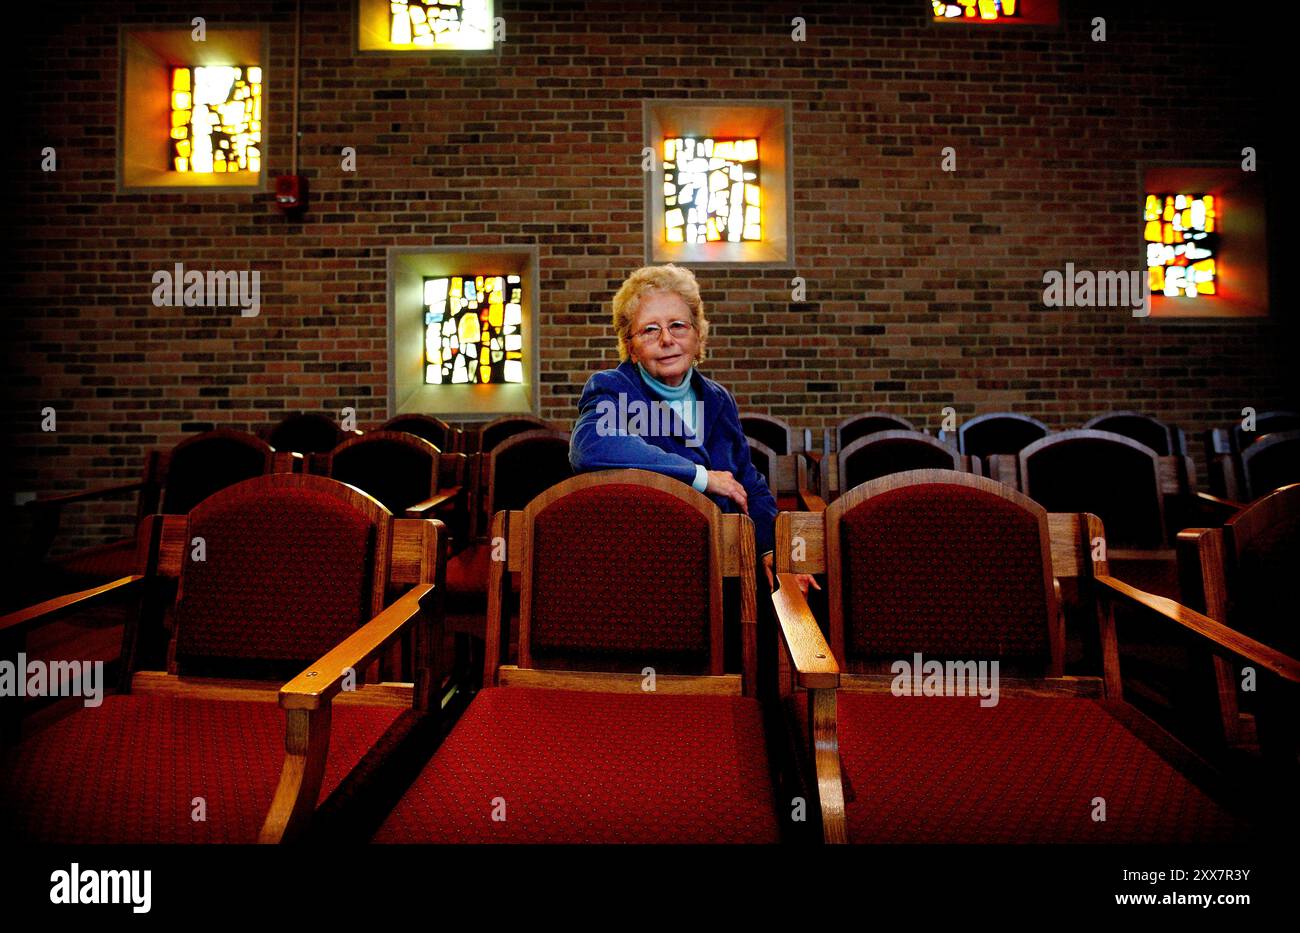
<point>665,357</point>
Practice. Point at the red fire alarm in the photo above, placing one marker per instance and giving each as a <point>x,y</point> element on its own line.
<point>291,193</point>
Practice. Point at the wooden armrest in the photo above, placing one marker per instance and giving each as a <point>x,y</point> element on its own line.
<point>85,495</point>
<point>1243,646</point>
<point>811,502</point>
<point>803,639</point>
<point>321,682</point>
<point>1219,508</point>
<point>59,606</point>
<point>437,500</point>
<point>1162,555</point>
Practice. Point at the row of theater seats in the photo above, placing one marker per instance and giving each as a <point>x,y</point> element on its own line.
<point>608,711</point>
<point>1243,464</point>
<point>1129,469</point>
<point>413,464</point>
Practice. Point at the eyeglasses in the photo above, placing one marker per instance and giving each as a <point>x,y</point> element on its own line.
<point>676,329</point>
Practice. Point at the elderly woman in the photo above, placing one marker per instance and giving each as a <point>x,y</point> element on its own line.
<point>662,333</point>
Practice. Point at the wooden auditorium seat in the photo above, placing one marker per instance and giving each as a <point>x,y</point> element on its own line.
<point>305,433</point>
<point>787,477</point>
<point>1165,439</point>
<point>886,452</point>
<point>824,466</point>
<point>1269,463</point>
<point>1142,498</point>
<point>517,470</point>
<point>173,482</point>
<point>1224,446</point>
<point>1118,480</point>
<point>621,581</point>
<point>401,470</point>
<point>494,432</point>
<point>1266,422</point>
<point>860,425</point>
<point>1242,575</point>
<point>997,438</point>
<point>956,567</point>
<point>294,569</point>
<point>768,430</point>
<point>434,430</point>
<point>789,472</point>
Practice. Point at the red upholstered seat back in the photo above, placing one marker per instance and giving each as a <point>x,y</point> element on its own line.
<point>288,574</point>
<point>621,578</point>
<point>949,571</point>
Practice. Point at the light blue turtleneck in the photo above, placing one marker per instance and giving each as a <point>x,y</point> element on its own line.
<point>680,399</point>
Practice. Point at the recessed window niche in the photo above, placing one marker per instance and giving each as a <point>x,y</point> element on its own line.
<point>192,114</point>
<point>719,190</point>
<point>463,331</point>
<point>1204,244</point>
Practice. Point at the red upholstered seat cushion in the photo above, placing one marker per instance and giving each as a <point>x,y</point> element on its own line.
<point>128,771</point>
<point>577,767</point>
<point>467,571</point>
<point>945,769</point>
<point>946,570</point>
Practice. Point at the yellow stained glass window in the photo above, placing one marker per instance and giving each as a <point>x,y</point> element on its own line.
<point>1182,241</point>
<point>473,329</point>
<point>976,9</point>
<point>711,190</point>
<point>434,23</point>
<point>216,119</point>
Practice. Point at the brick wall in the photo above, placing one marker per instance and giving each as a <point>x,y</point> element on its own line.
<point>923,287</point>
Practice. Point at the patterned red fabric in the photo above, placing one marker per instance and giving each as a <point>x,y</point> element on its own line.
<point>945,769</point>
<point>945,570</point>
<point>287,576</point>
<point>594,767</point>
<point>622,572</point>
<point>128,771</point>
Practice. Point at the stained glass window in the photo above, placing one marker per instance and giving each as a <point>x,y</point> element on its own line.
<point>217,119</point>
<point>439,22</point>
<point>1182,244</point>
<point>976,9</point>
<point>711,190</point>
<point>473,329</point>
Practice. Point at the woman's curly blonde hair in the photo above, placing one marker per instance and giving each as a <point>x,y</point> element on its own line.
<point>669,277</point>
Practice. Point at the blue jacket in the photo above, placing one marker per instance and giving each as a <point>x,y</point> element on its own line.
<point>723,445</point>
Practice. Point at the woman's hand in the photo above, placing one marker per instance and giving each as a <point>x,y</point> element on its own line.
<point>722,483</point>
<point>803,579</point>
